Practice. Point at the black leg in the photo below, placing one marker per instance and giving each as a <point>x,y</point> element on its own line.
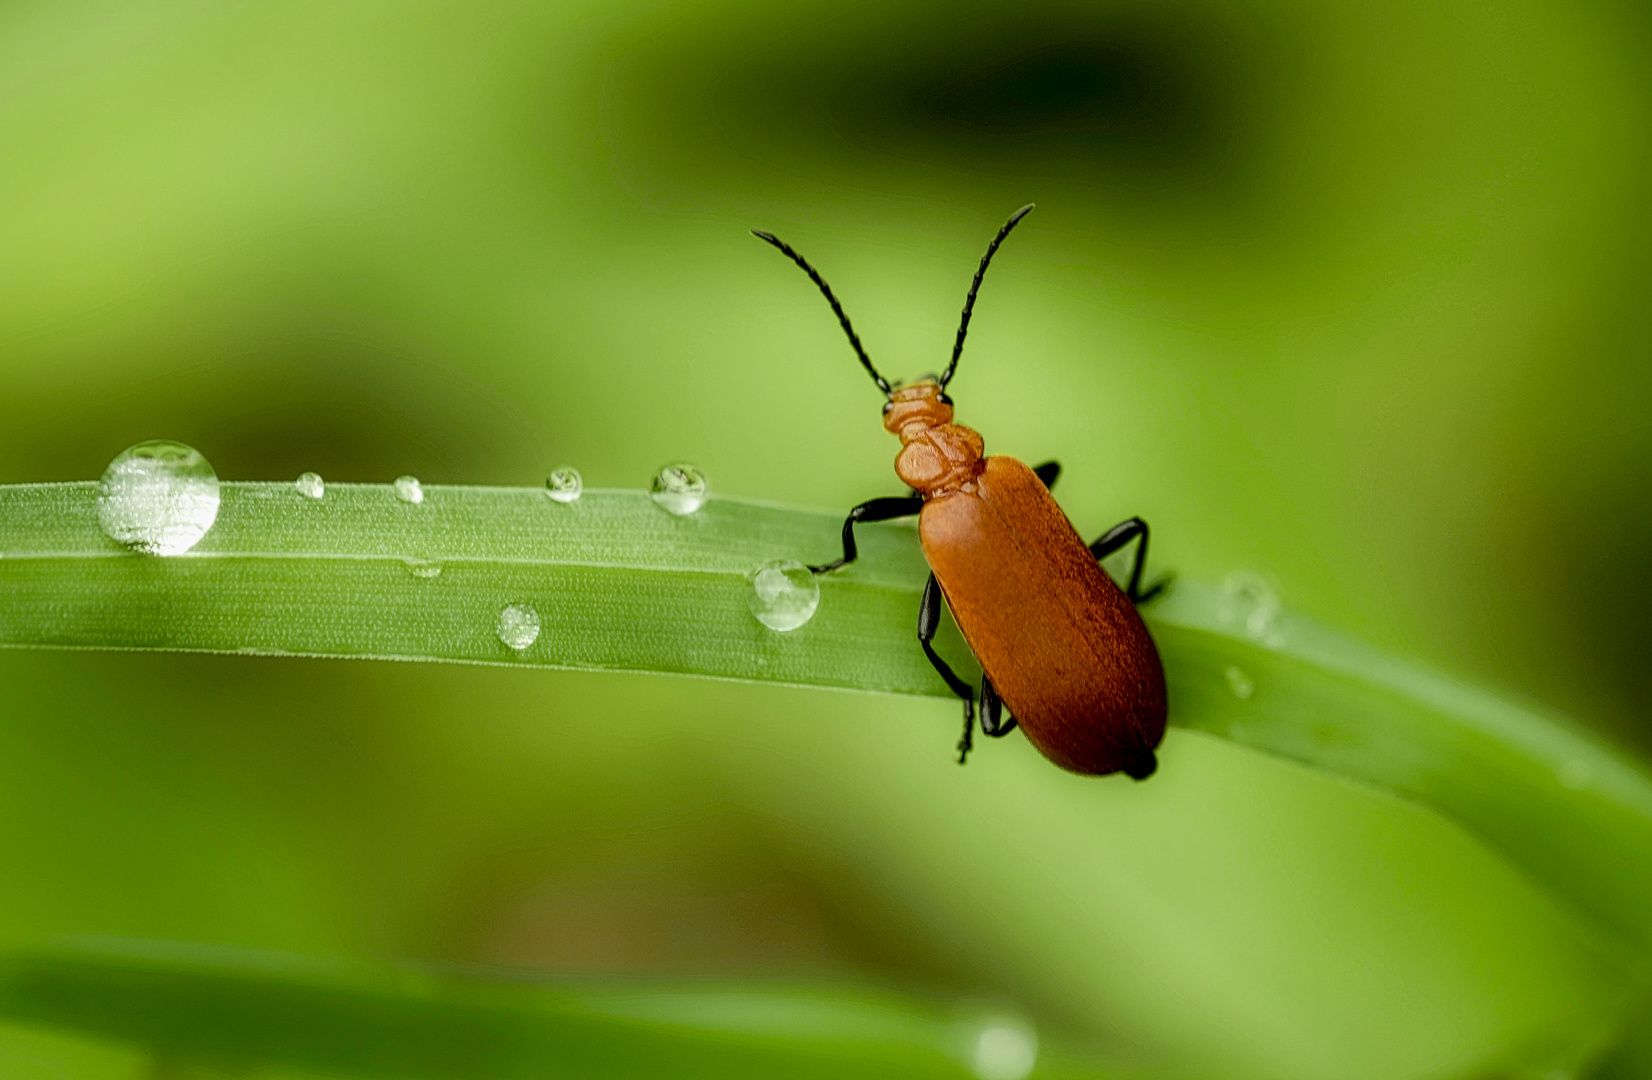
<point>929,621</point>
<point>1047,472</point>
<point>886,509</point>
<point>1114,539</point>
<point>994,721</point>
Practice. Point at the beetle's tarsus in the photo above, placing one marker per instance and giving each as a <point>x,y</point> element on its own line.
<point>1155,590</point>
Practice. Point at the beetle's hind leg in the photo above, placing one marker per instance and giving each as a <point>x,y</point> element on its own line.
<point>995,723</point>
<point>1048,472</point>
<point>929,621</point>
<point>1114,539</point>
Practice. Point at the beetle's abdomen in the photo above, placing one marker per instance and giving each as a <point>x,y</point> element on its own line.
<point>1060,641</point>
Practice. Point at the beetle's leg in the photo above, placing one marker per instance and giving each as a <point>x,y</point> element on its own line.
<point>885,509</point>
<point>994,721</point>
<point>929,621</point>
<point>1114,539</point>
<point>1047,472</point>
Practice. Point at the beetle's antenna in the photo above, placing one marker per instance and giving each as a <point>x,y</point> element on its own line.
<point>826,290</point>
<point>975,287</point>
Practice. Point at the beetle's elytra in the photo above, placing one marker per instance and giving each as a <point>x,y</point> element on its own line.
<point>1061,646</point>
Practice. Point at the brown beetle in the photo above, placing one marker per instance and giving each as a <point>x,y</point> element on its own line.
<point>1059,643</point>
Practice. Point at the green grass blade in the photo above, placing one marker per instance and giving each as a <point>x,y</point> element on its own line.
<point>620,584</point>
<point>237,1008</point>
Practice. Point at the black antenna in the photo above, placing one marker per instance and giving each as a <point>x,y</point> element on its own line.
<point>975,287</point>
<point>826,290</point>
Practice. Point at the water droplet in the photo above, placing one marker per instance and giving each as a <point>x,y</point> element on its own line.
<point>423,569</point>
<point>564,484</point>
<point>310,485</point>
<point>1250,602</point>
<point>409,490</point>
<point>1242,685</point>
<point>680,489</point>
<point>518,626</point>
<point>783,594</point>
<point>1005,1049</point>
<point>158,497</point>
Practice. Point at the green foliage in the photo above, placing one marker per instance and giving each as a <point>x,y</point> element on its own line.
<point>198,1008</point>
<point>1352,295</point>
<point>622,585</point>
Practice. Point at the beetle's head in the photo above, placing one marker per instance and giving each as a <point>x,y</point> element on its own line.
<point>920,403</point>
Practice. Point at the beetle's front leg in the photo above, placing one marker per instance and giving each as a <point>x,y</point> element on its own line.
<point>929,621</point>
<point>885,509</point>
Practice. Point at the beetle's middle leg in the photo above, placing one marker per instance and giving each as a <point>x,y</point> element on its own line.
<point>995,723</point>
<point>1114,539</point>
<point>885,509</point>
<point>929,621</point>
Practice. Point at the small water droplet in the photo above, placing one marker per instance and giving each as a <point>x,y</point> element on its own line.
<point>1005,1049</point>
<point>783,594</point>
<point>1242,685</point>
<point>1250,602</point>
<point>310,485</point>
<point>564,484</point>
<point>680,489</point>
<point>158,497</point>
<point>409,490</point>
<point>518,626</point>
<point>423,569</point>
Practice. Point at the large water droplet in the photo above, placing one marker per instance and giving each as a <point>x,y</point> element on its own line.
<point>564,484</point>
<point>680,489</point>
<point>1250,602</point>
<point>783,594</point>
<point>310,485</point>
<point>518,626</point>
<point>423,569</point>
<point>158,497</point>
<point>1005,1049</point>
<point>409,490</point>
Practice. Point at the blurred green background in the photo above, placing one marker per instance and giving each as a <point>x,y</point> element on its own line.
<point>1354,296</point>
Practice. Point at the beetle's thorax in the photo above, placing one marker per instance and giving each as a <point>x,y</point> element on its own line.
<point>937,456</point>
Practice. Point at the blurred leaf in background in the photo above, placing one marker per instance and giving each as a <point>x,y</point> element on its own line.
<point>1351,295</point>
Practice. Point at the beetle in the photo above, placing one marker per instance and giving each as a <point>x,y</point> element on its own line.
<point>1060,644</point>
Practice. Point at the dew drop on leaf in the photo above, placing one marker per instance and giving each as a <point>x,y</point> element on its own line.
<point>782,594</point>
<point>564,484</point>
<point>518,626</point>
<point>1250,603</point>
<point>680,489</point>
<point>158,497</point>
<point>1242,685</point>
<point>1005,1049</point>
<point>423,569</point>
<point>409,490</point>
<point>310,485</point>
